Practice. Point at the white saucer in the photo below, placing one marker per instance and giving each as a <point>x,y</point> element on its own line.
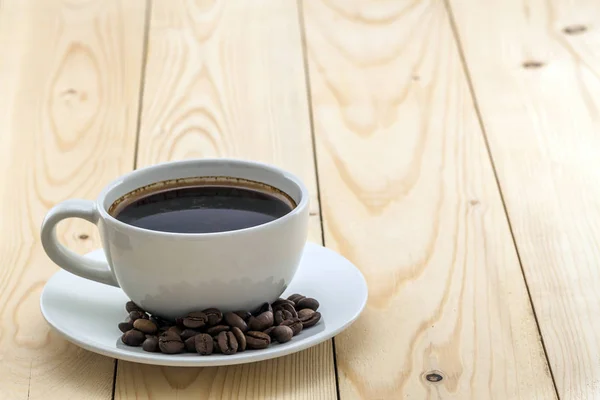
<point>87,313</point>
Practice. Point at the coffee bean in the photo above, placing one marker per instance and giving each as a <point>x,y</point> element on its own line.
<point>268,331</point>
<point>151,344</point>
<point>287,307</point>
<point>263,308</point>
<point>305,314</point>
<point>216,348</point>
<point>190,344</point>
<point>170,333</point>
<point>145,325</point>
<point>295,324</point>
<point>281,301</point>
<point>282,315</point>
<point>227,343</point>
<point>125,326</point>
<point>314,318</point>
<point>174,329</point>
<point>215,330</point>
<point>163,329</point>
<point>282,333</point>
<point>195,320</point>
<point>188,333</point>
<point>296,297</point>
<point>240,337</point>
<point>137,315</point>
<point>278,317</point>
<point>170,343</point>
<point>308,302</point>
<point>213,315</point>
<point>245,315</point>
<point>257,340</point>
<point>161,323</point>
<point>253,323</point>
<point>204,344</point>
<point>179,322</point>
<point>131,306</point>
<point>133,338</point>
<point>261,322</point>
<point>233,319</point>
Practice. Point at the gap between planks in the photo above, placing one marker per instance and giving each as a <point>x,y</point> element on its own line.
<point>138,124</point>
<point>142,115</point>
<point>302,27</point>
<point>467,74</point>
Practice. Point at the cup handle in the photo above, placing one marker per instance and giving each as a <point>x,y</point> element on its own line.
<point>68,260</point>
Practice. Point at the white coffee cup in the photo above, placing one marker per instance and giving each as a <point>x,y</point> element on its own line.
<point>171,274</point>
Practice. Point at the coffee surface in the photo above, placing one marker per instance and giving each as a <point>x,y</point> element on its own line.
<point>203,209</point>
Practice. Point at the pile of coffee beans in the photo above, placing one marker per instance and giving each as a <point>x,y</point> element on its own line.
<point>210,331</point>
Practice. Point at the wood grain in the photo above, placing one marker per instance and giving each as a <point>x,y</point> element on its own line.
<point>540,112</point>
<point>226,78</point>
<point>408,194</point>
<point>69,81</point>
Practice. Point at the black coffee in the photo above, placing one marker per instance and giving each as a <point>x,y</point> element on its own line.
<point>203,209</point>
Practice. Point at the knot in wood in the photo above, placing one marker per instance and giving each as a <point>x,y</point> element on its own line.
<point>434,377</point>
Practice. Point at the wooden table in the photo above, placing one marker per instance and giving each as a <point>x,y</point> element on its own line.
<point>452,150</point>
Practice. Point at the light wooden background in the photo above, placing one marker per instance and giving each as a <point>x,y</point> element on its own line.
<point>452,150</point>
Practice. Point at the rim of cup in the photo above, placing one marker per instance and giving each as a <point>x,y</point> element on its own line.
<point>301,205</point>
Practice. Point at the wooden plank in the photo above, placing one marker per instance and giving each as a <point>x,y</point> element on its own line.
<point>540,112</point>
<point>69,82</point>
<point>408,194</point>
<point>228,80</point>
